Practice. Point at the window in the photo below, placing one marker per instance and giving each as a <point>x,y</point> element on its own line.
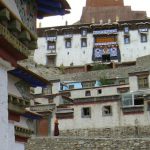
<point>84,32</point>
<point>68,43</point>
<point>143,38</point>
<point>51,45</point>
<point>107,111</point>
<point>99,91</point>
<point>123,89</point>
<point>122,82</point>
<point>47,90</point>
<point>68,33</point>
<point>131,100</point>
<point>87,93</point>
<point>126,39</point>
<point>71,86</point>
<point>143,82</point>
<point>138,100</point>
<point>88,84</point>
<point>83,42</point>
<point>127,100</point>
<point>126,30</point>
<point>86,112</point>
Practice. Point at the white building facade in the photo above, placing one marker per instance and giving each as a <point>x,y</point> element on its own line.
<point>79,45</point>
<point>122,104</point>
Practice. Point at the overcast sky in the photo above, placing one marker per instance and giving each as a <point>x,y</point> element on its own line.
<point>76,10</point>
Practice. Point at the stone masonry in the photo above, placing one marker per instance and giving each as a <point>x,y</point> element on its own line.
<point>119,138</point>
<point>88,144</point>
<point>119,132</point>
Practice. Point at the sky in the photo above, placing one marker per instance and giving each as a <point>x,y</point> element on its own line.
<point>76,11</point>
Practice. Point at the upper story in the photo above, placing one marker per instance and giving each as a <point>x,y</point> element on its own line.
<point>78,45</point>
<point>96,88</point>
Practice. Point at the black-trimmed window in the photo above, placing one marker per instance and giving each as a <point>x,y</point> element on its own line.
<point>86,112</point>
<point>68,43</point>
<point>51,45</point>
<point>107,110</point>
<point>143,37</point>
<point>84,32</point>
<point>99,91</point>
<point>126,30</point>
<point>88,93</point>
<point>126,39</point>
<point>143,82</point>
<point>83,42</point>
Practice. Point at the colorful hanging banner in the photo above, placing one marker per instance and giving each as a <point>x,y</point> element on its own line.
<point>98,52</point>
<point>113,51</point>
<point>100,32</point>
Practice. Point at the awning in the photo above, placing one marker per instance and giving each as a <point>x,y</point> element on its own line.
<point>28,76</point>
<point>52,7</point>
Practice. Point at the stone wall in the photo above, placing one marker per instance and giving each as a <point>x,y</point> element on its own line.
<point>119,132</point>
<point>142,64</point>
<point>88,144</point>
<point>108,73</point>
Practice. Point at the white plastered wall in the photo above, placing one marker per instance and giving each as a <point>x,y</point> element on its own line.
<point>135,49</point>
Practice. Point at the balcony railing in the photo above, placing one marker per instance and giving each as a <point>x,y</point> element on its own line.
<point>43,108</point>
<point>23,132</point>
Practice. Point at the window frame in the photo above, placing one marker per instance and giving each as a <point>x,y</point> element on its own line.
<point>83,115</point>
<point>143,35</point>
<point>132,99</point>
<point>82,41</point>
<point>54,44</point>
<point>88,94</point>
<point>99,92</point>
<point>125,37</point>
<point>70,41</point>
<point>84,32</point>
<point>103,111</point>
<point>126,30</point>
<point>143,86</point>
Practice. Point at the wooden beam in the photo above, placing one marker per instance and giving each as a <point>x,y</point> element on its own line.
<point>25,36</point>
<point>33,45</point>
<point>4,14</point>
<point>15,26</point>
